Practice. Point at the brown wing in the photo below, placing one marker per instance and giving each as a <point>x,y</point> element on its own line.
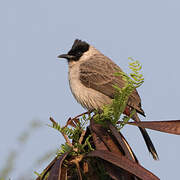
<point>98,73</point>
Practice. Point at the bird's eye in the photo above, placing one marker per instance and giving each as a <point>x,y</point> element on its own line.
<point>79,53</point>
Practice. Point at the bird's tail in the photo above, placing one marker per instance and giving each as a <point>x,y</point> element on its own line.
<point>147,139</point>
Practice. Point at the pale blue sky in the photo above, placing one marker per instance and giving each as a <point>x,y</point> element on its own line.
<point>34,82</point>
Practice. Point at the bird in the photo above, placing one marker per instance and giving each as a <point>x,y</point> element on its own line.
<point>91,79</point>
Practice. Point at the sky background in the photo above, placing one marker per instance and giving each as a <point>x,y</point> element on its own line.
<point>34,82</point>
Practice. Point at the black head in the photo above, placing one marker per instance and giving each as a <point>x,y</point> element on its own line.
<point>79,47</point>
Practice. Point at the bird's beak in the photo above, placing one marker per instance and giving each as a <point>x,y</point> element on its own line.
<point>66,56</point>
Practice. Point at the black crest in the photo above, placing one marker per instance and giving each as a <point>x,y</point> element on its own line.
<point>78,48</point>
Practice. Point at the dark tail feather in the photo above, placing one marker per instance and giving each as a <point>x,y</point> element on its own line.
<point>147,139</point>
<point>149,143</point>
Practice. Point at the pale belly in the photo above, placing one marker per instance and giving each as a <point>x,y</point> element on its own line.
<point>87,97</point>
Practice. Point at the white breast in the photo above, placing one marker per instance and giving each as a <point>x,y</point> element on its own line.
<point>87,97</point>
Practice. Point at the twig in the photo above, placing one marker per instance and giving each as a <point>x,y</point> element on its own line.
<point>76,162</point>
<point>64,135</point>
<point>53,121</point>
<point>75,118</point>
<point>82,136</point>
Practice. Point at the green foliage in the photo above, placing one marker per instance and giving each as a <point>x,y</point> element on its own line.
<point>114,111</point>
<point>41,175</point>
<point>74,134</point>
<point>63,149</point>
